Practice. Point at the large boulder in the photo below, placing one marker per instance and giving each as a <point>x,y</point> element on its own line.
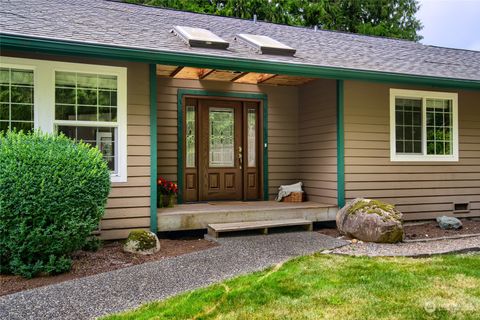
<point>371,221</point>
<point>142,242</point>
<point>449,223</point>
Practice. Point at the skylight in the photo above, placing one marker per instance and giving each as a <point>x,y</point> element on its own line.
<point>266,45</point>
<point>198,37</point>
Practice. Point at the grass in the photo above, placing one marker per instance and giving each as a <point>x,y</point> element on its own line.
<point>335,287</point>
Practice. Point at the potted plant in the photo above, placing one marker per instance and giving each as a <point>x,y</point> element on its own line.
<point>166,190</point>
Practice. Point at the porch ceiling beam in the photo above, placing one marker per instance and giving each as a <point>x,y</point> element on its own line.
<point>174,73</point>
<point>266,78</point>
<point>239,76</point>
<point>206,74</point>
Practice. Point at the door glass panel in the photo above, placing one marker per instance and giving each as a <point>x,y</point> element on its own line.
<point>221,137</point>
<point>252,137</point>
<point>190,137</point>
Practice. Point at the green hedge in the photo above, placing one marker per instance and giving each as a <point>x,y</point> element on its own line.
<point>53,193</point>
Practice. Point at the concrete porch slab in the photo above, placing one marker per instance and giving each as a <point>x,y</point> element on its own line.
<point>200,215</point>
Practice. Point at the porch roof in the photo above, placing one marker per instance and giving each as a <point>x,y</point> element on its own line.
<point>110,23</point>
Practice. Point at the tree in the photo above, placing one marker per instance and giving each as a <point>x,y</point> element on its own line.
<point>388,18</point>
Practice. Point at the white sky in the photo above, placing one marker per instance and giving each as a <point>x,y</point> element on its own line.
<point>451,23</point>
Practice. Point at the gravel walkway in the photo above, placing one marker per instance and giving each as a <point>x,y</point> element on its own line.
<point>411,249</point>
<point>127,288</point>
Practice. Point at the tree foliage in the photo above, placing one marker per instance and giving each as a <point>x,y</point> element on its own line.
<point>389,18</point>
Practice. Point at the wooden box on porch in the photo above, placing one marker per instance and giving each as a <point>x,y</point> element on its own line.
<point>294,197</point>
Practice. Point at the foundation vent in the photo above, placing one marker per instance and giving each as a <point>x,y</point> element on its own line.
<point>461,207</point>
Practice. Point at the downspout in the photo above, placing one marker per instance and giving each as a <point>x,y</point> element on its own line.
<point>153,148</point>
<point>340,145</point>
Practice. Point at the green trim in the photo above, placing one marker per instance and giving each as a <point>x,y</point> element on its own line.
<point>153,148</point>
<point>193,92</point>
<point>17,42</point>
<point>340,145</point>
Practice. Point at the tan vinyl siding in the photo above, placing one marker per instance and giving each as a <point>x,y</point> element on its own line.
<point>420,189</point>
<point>317,141</point>
<point>282,126</point>
<point>128,206</point>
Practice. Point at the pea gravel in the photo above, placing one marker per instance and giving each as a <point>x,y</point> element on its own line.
<point>411,249</point>
<point>123,289</point>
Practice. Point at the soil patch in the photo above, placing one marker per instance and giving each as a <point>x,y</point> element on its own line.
<point>109,257</point>
<point>422,230</point>
<point>432,230</point>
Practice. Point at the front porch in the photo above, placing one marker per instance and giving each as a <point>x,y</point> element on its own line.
<point>200,215</point>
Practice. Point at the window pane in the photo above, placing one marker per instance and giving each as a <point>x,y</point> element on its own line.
<point>408,125</point>
<point>190,137</point>
<point>16,99</point>
<point>86,92</point>
<point>439,118</point>
<point>221,137</point>
<point>102,138</point>
<point>252,137</point>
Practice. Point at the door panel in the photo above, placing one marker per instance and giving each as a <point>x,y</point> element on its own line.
<point>220,136</point>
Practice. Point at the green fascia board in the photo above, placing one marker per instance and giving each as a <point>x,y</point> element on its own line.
<point>340,145</point>
<point>240,95</point>
<point>25,43</point>
<point>153,148</point>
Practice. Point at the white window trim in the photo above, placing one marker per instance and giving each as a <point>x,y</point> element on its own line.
<point>423,95</point>
<point>44,100</point>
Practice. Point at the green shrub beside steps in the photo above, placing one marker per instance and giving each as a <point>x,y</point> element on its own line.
<point>53,193</point>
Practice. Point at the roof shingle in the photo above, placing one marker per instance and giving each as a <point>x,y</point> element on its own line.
<point>120,24</point>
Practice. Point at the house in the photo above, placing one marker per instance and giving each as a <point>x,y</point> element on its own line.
<point>231,109</point>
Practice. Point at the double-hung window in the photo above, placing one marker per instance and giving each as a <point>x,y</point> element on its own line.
<point>84,102</point>
<point>423,126</point>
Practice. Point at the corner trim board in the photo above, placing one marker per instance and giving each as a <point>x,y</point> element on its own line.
<point>153,148</point>
<point>340,145</point>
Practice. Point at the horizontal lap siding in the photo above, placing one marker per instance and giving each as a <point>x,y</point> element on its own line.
<point>128,206</point>
<point>282,126</point>
<point>421,190</point>
<point>317,141</point>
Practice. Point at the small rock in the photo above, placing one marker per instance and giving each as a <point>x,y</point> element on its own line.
<point>354,241</point>
<point>142,242</point>
<point>360,241</point>
<point>326,251</point>
<point>449,223</point>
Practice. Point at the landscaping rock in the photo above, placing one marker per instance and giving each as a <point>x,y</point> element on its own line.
<point>371,221</point>
<point>142,242</point>
<point>449,223</point>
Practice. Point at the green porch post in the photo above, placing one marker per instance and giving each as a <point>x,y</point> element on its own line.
<point>340,145</point>
<point>153,148</point>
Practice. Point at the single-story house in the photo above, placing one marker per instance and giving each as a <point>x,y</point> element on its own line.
<point>231,109</point>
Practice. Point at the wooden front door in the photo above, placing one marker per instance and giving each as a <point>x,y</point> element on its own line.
<point>222,140</point>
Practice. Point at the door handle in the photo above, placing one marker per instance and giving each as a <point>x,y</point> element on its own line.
<point>240,157</point>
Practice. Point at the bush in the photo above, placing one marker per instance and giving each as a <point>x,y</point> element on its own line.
<point>53,193</point>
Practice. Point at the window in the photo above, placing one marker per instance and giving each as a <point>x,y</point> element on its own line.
<point>85,102</point>
<point>16,99</point>
<point>423,126</point>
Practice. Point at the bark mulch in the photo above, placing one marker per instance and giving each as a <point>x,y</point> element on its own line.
<point>109,257</point>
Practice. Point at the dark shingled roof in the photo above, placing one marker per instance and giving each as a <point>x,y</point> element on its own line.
<point>120,24</point>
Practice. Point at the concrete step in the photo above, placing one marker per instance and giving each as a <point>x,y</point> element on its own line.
<point>215,229</point>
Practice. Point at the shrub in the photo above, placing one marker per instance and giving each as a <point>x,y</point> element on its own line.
<point>53,193</point>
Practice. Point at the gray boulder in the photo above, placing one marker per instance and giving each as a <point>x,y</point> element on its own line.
<point>142,242</point>
<point>371,221</point>
<point>449,223</point>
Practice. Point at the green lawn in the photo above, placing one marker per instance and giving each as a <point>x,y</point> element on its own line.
<point>336,287</point>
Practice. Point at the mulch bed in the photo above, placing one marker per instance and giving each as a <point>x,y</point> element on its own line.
<point>109,257</point>
<point>423,230</point>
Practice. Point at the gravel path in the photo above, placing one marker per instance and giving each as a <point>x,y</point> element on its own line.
<point>411,249</point>
<point>104,293</point>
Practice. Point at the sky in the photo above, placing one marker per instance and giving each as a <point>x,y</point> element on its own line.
<point>450,23</point>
